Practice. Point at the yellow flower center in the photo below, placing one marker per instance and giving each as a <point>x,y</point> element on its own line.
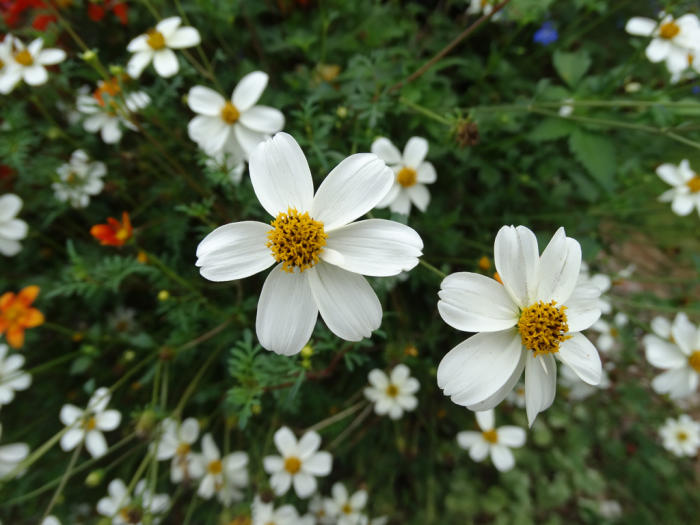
<point>155,40</point>
<point>694,184</point>
<point>230,113</point>
<point>296,240</point>
<point>122,234</point>
<point>614,332</point>
<point>490,435</point>
<point>2,64</point>
<point>24,57</point>
<point>347,509</point>
<point>694,361</point>
<point>543,327</point>
<point>215,467</point>
<point>392,390</point>
<point>681,436</point>
<point>183,449</point>
<point>406,177</point>
<point>131,514</point>
<point>669,30</point>
<point>292,465</point>
<point>90,424</point>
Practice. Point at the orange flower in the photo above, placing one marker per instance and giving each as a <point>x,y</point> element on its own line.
<point>16,315</point>
<point>114,233</point>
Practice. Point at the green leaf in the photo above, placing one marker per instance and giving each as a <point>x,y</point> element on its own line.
<point>572,66</point>
<point>551,129</point>
<point>597,154</point>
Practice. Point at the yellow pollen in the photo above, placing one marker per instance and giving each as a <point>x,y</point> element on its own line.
<point>691,57</point>
<point>694,361</point>
<point>406,177</point>
<point>230,113</point>
<point>392,390</point>
<point>347,509</point>
<point>183,449</point>
<point>122,234</point>
<point>497,277</point>
<point>155,40</point>
<point>543,327</point>
<point>614,332</point>
<point>694,184</point>
<point>90,424</point>
<point>24,57</point>
<point>490,435</point>
<point>296,240</point>
<point>292,465</point>
<point>484,263</point>
<point>669,30</point>
<point>215,467</point>
<point>681,436</point>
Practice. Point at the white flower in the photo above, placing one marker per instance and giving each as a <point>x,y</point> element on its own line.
<point>536,314</point>
<point>392,394</point>
<point>345,508</point>
<point>125,510</point>
<point>12,229</point>
<point>681,436</point>
<point>8,68</point>
<point>158,44</point>
<point>12,378</point>
<point>79,179</point>
<point>602,282</point>
<point>28,63</point>
<point>176,442</point>
<point>224,476</point>
<point>239,119</point>
<point>122,320</point>
<point>609,333</point>
<point>299,464</point>
<point>314,239</point>
<point>577,389</point>
<point>679,357</point>
<point>317,508</point>
<point>50,520</point>
<point>483,7</point>
<point>567,108</point>
<point>685,194</point>
<point>672,39</point>
<point>517,396</point>
<point>11,455</point>
<point>491,441</point>
<point>231,160</point>
<point>87,425</point>
<point>610,509</point>
<point>412,174</point>
<point>108,113</point>
<point>267,514</point>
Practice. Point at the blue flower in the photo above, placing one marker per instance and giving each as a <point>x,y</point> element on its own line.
<point>546,34</point>
<point>696,90</point>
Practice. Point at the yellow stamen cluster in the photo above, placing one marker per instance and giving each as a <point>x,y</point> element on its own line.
<point>155,40</point>
<point>694,184</point>
<point>392,390</point>
<point>2,64</point>
<point>230,113</point>
<point>24,57</point>
<point>543,327</point>
<point>292,465</point>
<point>131,514</point>
<point>183,449</point>
<point>347,509</point>
<point>694,361</point>
<point>681,436</point>
<point>90,424</point>
<point>406,177</point>
<point>669,30</point>
<point>296,240</point>
<point>215,467</point>
<point>491,436</point>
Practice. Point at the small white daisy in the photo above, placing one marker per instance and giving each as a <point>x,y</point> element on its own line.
<point>12,229</point>
<point>79,179</point>
<point>346,509</point>
<point>317,509</point>
<point>267,514</point>
<point>601,281</point>
<point>239,119</point>
<point>157,45</point>
<point>28,62</point>
<point>127,510</point>
<point>8,76</point>
<point>685,194</point>
<point>680,357</point>
<point>176,443</point>
<point>609,333</point>
<point>107,113</point>
<point>537,314</point>
<point>412,173</point>
<point>299,464</point>
<point>392,394</point>
<point>11,455</point>
<point>491,441</point>
<point>225,477</point>
<point>12,378</point>
<point>321,254</point>
<point>87,425</point>
<point>517,396</point>
<point>681,436</point>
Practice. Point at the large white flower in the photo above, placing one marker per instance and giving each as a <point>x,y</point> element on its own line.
<point>87,425</point>
<point>12,229</point>
<point>28,63</point>
<point>535,315</point>
<point>412,174</point>
<point>392,394</point>
<point>672,40</point>
<point>127,510</point>
<point>267,514</point>
<point>176,443</point>
<point>321,254</point>
<point>299,464</point>
<point>157,45</point>
<point>79,179</point>
<point>345,508</point>
<point>11,455</point>
<point>681,436</point>
<point>8,75</point>
<point>238,119</point>
<point>492,441</point>
<point>679,357</point>
<point>12,378</point>
<point>225,476</point>
<point>685,194</point>
<point>108,113</point>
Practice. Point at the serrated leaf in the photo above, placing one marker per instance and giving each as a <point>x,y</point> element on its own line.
<point>597,154</point>
<point>571,66</point>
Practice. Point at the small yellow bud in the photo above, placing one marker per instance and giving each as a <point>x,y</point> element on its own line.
<point>94,478</point>
<point>128,356</point>
<point>411,350</point>
<point>256,409</point>
<point>484,263</point>
<point>142,257</point>
<point>78,336</point>
<point>163,295</point>
<point>305,363</point>
<point>307,351</point>
<point>342,112</point>
<point>88,55</point>
<point>146,423</point>
<point>116,70</point>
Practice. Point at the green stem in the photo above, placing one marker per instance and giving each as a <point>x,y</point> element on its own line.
<point>193,384</point>
<point>425,111</point>
<point>34,456</point>
<point>336,417</point>
<point>64,479</point>
<point>432,268</point>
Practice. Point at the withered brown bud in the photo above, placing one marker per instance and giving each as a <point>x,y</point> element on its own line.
<point>466,133</point>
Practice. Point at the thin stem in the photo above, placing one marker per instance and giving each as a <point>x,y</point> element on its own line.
<point>33,457</point>
<point>193,384</point>
<point>64,479</point>
<point>432,268</point>
<point>336,417</point>
<point>425,111</point>
<point>359,419</point>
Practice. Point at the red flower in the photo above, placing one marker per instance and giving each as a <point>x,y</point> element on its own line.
<point>114,233</point>
<point>17,314</point>
<point>97,12</point>
<point>13,10</point>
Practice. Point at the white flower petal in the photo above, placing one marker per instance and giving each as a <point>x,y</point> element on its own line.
<point>95,443</point>
<point>401,203</point>
<point>385,150</point>
<point>394,191</point>
<point>184,37</point>
<point>682,204</point>
<point>658,50</point>
<point>640,26</point>
<point>249,90</point>
<point>419,195</point>
<point>263,119</point>
<point>309,444</point>
<point>581,356</point>
<point>415,151</point>
<point>670,175</point>
<point>516,258</point>
<point>205,101</point>
<point>486,419</point>
<point>16,230</point>
<point>70,414</point>
<point>168,26</point>
<point>108,420</point>
<point>661,327</point>
<point>273,464</point>
<point>49,57</point>
<point>138,62</point>
<point>189,430</point>
<point>511,436</point>
<point>502,458</point>
<point>426,173</point>
<point>358,500</point>
<point>677,383</point>
<point>559,268</point>
<point>479,450</point>
<point>540,386</point>
<point>248,139</point>
<point>10,205</point>
<point>663,354</point>
<point>304,484</point>
<point>165,62</point>
<point>378,379</point>
<point>583,307</point>
<point>286,312</point>
<point>111,133</point>
<point>280,482</point>
<point>468,438</point>
<point>71,438</point>
<point>685,334</point>
<point>319,464</point>
<point>139,44</point>
<point>211,133</point>
<point>35,75</point>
